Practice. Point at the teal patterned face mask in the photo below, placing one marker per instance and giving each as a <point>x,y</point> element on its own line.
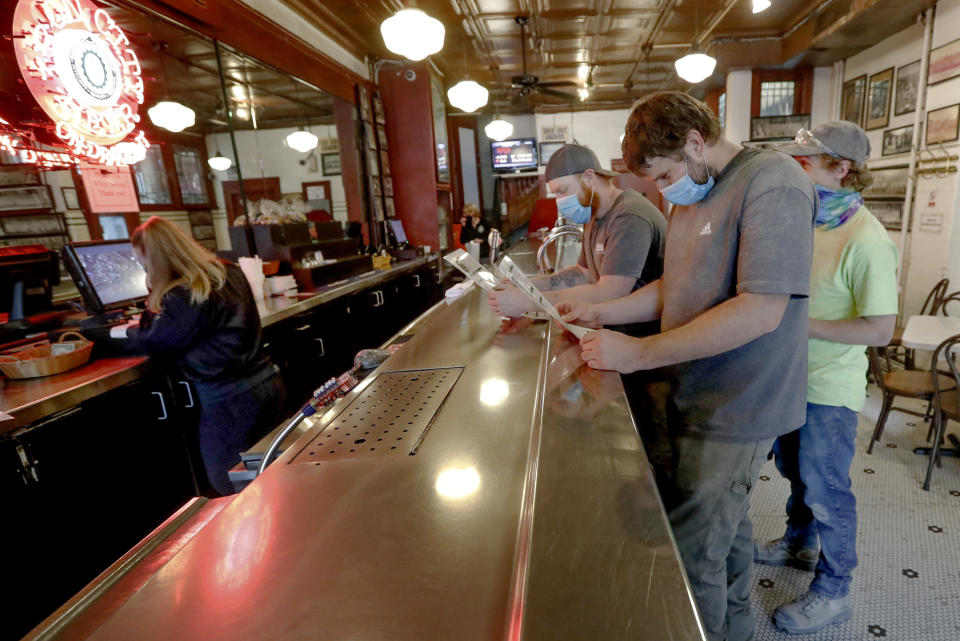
<point>836,206</point>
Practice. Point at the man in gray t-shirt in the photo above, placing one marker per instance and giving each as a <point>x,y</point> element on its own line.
<point>623,236</point>
<point>733,309</point>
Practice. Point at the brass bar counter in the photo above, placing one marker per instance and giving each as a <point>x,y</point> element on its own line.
<point>526,510</point>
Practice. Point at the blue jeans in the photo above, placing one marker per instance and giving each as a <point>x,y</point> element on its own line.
<point>816,460</point>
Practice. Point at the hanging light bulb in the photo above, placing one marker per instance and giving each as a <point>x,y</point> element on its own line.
<point>219,162</point>
<point>171,115</point>
<point>583,72</point>
<point>467,95</point>
<point>696,65</point>
<point>302,141</point>
<point>760,5</point>
<point>583,92</point>
<point>412,34</point>
<point>498,129</point>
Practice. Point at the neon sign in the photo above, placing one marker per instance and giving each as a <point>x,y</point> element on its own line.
<point>80,68</point>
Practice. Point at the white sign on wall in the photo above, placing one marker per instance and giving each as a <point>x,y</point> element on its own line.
<point>554,132</point>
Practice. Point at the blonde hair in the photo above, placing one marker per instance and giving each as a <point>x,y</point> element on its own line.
<point>173,259</point>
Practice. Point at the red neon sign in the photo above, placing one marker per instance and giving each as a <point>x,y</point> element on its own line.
<point>80,68</point>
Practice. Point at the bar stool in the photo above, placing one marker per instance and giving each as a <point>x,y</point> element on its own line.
<point>946,402</point>
<point>909,383</point>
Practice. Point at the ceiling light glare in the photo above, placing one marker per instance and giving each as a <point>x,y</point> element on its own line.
<point>583,92</point>
<point>302,141</point>
<point>412,34</point>
<point>498,129</point>
<point>695,66</point>
<point>467,95</point>
<point>760,5</point>
<point>171,115</point>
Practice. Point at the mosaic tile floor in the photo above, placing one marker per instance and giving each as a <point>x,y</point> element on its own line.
<point>907,583</point>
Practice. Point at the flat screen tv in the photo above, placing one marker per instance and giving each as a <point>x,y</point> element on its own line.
<point>514,155</point>
<point>107,274</point>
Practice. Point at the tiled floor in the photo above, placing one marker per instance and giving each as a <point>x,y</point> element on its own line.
<point>907,583</point>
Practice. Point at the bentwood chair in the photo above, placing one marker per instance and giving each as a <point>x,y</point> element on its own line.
<point>931,306</point>
<point>917,384</point>
<point>946,400</point>
<point>950,305</point>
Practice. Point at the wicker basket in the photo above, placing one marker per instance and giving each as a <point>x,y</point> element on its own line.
<point>38,361</point>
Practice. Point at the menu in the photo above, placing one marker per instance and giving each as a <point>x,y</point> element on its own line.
<point>518,278</point>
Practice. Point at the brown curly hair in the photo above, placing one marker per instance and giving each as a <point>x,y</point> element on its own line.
<point>658,125</point>
<point>858,178</point>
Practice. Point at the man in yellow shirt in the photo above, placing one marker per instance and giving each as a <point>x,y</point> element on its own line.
<point>853,303</point>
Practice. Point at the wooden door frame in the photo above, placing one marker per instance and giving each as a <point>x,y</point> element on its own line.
<point>454,123</point>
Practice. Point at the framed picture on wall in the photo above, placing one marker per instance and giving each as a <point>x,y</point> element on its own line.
<point>852,99</point>
<point>378,208</point>
<point>330,164</point>
<point>777,127</point>
<point>389,208</point>
<point>382,136</point>
<point>388,186</point>
<point>944,63</point>
<point>385,163</point>
<point>375,188</point>
<point>878,99</point>
<point>547,149</point>
<point>908,81</point>
<point>70,198</point>
<point>378,109</point>
<point>26,198</point>
<point>888,212</point>
<point>897,141</point>
<point>363,97</point>
<point>370,137</point>
<point>942,125</point>
<point>888,182</point>
<point>21,174</point>
<point>373,165</point>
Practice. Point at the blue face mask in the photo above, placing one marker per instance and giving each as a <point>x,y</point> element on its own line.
<point>570,208</point>
<point>685,191</point>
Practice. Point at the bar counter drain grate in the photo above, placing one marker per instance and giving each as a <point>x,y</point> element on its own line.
<point>391,416</point>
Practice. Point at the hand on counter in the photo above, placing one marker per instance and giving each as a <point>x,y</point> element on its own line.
<point>507,300</point>
<point>120,331</point>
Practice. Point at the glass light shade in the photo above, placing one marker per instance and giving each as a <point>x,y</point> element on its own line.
<point>583,92</point>
<point>695,66</point>
<point>412,34</point>
<point>583,71</point>
<point>760,5</point>
<point>219,162</point>
<point>498,130</point>
<point>172,116</point>
<point>467,95</point>
<point>302,141</point>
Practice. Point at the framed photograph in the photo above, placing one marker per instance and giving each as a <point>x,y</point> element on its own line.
<point>370,136</point>
<point>363,97</point>
<point>70,197</point>
<point>315,190</point>
<point>385,163</point>
<point>330,164</point>
<point>908,80</point>
<point>382,136</point>
<point>378,208</point>
<point>328,145</point>
<point>388,186</point>
<point>26,198</point>
<point>25,174</point>
<point>888,212</point>
<point>547,149</point>
<point>375,187</point>
<point>777,127</point>
<point>878,99</point>
<point>897,141</point>
<point>389,208</point>
<point>378,109</point>
<point>373,163</point>
<point>944,63</point>
<point>852,99</point>
<point>942,125</point>
<point>888,182</point>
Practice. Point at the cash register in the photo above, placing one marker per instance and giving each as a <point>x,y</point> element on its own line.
<point>110,279</point>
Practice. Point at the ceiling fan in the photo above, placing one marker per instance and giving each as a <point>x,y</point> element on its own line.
<point>526,83</point>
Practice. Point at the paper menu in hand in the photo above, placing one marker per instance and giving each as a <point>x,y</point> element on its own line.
<point>518,278</point>
<point>472,269</point>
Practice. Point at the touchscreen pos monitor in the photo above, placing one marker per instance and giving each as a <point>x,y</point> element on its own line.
<point>107,273</point>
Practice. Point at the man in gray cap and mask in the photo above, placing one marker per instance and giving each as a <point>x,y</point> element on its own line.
<point>623,236</point>
<point>853,303</point>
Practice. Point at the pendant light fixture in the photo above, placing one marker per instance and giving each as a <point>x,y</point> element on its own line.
<point>498,129</point>
<point>170,114</point>
<point>302,140</point>
<point>219,162</point>
<point>696,65</point>
<point>760,5</point>
<point>467,95</point>
<point>412,34</point>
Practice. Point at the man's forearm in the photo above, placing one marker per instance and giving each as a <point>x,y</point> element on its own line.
<point>863,330</point>
<point>727,326</point>
<point>641,306</point>
<point>564,279</point>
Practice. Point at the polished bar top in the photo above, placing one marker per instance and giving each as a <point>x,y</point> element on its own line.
<point>28,400</point>
<point>528,512</point>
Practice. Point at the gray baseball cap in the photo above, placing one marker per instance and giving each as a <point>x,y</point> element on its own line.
<point>574,159</point>
<point>840,138</point>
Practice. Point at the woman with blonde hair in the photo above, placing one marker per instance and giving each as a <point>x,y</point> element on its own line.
<point>201,312</point>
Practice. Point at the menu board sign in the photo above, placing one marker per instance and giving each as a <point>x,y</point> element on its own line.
<point>109,189</point>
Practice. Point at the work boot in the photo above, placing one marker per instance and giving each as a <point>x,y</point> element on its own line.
<point>812,612</point>
<point>779,552</point>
